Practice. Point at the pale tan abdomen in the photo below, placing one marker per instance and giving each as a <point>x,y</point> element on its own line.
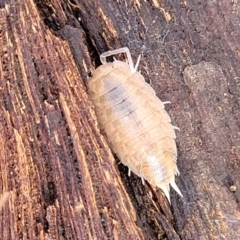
<point>138,128</point>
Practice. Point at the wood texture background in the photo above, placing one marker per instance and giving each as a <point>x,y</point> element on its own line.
<point>58,177</point>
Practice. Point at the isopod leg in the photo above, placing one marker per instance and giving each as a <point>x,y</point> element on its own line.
<point>141,174</point>
<point>116,51</point>
<point>143,181</point>
<point>129,172</point>
<point>137,64</point>
<point>166,102</point>
<point>177,128</point>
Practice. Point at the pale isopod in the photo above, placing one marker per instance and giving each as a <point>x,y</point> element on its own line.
<point>138,128</point>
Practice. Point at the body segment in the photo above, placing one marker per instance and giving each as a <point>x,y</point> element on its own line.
<point>138,128</point>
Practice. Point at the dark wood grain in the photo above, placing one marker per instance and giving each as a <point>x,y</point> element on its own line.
<point>63,180</point>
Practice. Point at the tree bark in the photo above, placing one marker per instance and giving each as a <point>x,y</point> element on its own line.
<point>59,179</point>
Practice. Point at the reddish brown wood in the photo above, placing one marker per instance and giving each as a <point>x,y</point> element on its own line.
<point>59,169</point>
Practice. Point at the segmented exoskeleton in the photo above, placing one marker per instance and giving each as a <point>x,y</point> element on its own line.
<point>138,128</point>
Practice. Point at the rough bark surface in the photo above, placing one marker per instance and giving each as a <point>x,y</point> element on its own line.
<point>58,177</point>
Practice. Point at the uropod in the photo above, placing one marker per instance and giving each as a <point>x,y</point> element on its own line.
<point>137,126</point>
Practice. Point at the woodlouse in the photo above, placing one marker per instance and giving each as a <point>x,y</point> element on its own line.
<point>138,128</point>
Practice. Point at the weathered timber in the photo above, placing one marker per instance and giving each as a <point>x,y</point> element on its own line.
<point>59,179</point>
